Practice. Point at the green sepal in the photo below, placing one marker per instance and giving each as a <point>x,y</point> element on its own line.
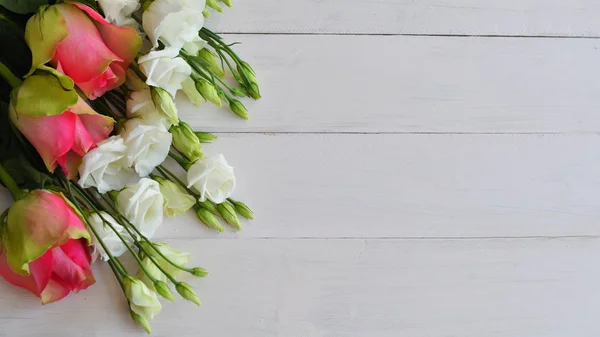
<point>43,33</point>
<point>45,93</point>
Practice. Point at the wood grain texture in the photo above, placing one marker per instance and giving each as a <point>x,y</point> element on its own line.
<point>462,17</point>
<point>415,84</point>
<point>349,288</point>
<point>411,186</point>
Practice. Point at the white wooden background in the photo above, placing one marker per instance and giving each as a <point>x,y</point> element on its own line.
<point>417,168</point>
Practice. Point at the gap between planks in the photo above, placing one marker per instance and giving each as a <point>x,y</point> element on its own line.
<point>414,35</point>
<point>385,238</point>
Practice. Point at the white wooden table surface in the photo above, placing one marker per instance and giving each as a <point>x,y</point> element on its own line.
<point>418,168</point>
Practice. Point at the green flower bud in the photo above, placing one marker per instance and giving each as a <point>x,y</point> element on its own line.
<point>165,105</point>
<point>186,291</point>
<point>238,108</point>
<point>250,76</point>
<point>189,89</point>
<point>242,209</point>
<point>141,321</point>
<point>254,91</point>
<point>213,62</point>
<point>209,219</point>
<point>228,213</point>
<point>209,206</point>
<point>209,92</point>
<point>186,141</point>
<point>199,272</point>
<point>214,5</point>
<point>239,92</point>
<point>163,290</point>
<point>205,137</point>
<point>206,13</point>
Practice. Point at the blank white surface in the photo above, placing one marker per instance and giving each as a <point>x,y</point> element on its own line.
<point>371,186</point>
<point>415,84</point>
<point>445,17</point>
<point>351,288</point>
<point>412,186</point>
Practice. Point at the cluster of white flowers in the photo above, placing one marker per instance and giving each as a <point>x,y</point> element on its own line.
<point>123,158</point>
<point>146,202</point>
<point>174,24</point>
<point>122,162</point>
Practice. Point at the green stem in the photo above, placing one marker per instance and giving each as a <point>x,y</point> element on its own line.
<point>9,76</point>
<point>180,160</point>
<point>136,69</point>
<point>118,263</point>
<point>10,183</point>
<point>231,68</point>
<point>135,255</point>
<point>118,275</point>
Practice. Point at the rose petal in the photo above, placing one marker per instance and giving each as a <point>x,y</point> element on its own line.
<point>83,54</point>
<point>124,42</point>
<point>56,290</point>
<point>52,136</point>
<point>36,282</point>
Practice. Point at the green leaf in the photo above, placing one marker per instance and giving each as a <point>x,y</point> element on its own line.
<point>25,175</point>
<point>44,31</point>
<point>23,6</point>
<point>45,93</point>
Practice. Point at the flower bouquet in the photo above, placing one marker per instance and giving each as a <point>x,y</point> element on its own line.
<point>87,122</point>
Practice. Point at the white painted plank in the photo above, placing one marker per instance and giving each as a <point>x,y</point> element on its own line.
<point>411,185</point>
<point>463,17</point>
<point>350,288</point>
<point>415,84</point>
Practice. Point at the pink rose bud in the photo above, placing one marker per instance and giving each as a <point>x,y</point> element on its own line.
<point>45,247</point>
<point>56,121</point>
<point>80,43</point>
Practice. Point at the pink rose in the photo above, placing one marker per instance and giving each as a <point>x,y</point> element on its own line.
<point>82,45</point>
<point>45,247</point>
<point>65,138</point>
<point>56,121</point>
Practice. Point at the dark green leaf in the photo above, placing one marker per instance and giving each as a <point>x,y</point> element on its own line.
<point>14,53</point>
<point>23,6</point>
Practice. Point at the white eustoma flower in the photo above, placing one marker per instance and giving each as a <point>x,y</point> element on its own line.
<point>213,178</point>
<point>142,300</point>
<point>165,70</point>
<point>105,167</point>
<point>147,145</point>
<point>173,22</point>
<point>194,46</point>
<point>119,11</point>
<point>142,205</point>
<point>115,246</point>
<point>140,105</point>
